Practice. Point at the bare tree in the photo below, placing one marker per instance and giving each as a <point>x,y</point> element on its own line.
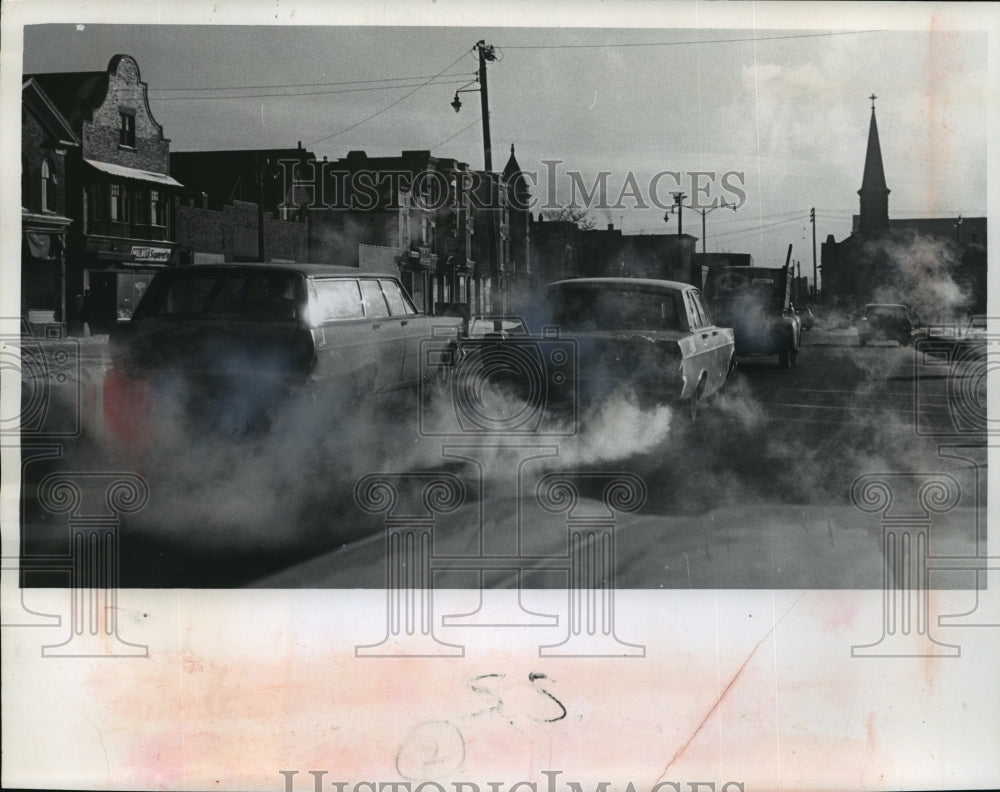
<point>574,214</point>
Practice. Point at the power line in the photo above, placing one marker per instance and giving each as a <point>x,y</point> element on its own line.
<point>390,105</point>
<point>448,140</point>
<point>309,85</point>
<point>755,229</point>
<point>688,43</point>
<point>796,212</point>
<point>306,93</point>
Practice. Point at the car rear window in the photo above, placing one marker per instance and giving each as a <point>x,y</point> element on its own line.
<point>258,295</point>
<point>886,311</point>
<point>586,308</point>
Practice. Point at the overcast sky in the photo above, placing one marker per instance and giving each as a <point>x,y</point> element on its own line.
<point>785,105</point>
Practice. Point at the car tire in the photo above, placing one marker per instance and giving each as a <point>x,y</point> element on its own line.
<point>730,374</point>
<point>693,404</point>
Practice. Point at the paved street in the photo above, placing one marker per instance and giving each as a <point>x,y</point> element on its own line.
<point>765,472</point>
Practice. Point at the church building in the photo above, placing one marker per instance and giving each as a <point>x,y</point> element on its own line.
<point>934,266</point>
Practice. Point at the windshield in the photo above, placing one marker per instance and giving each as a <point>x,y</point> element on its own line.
<point>886,312</point>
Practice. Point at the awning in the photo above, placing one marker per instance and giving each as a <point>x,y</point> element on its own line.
<point>41,246</point>
<point>133,173</point>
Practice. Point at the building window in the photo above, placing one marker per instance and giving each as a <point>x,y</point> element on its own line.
<point>118,204</point>
<point>94,197</point>
<point>139,207</point>
<point>155,208</point>
<point>48,188</point>
<point>126,133</point>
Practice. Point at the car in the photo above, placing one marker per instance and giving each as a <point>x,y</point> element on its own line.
<point>654,337</point>
<point>226,342</point>
<point>976,328</point>
<point>806,317</point>
<point>496,326</point>
<point>755,302</point>
<point>885,322</point>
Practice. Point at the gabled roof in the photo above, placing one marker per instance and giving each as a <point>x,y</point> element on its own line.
<point>47,113</point>
<point>75,94</point>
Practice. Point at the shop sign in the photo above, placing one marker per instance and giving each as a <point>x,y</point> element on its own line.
<point>154,255</point>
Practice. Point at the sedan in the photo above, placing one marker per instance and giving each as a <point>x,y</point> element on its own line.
<point>654,337</point>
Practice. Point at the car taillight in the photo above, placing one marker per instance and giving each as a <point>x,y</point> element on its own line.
<point>303,349</point>
<point>128,408</point>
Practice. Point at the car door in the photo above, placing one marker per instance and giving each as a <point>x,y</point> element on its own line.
<point>344,342</point>
<point>410,327</point>
<point>388,332</point>
<point>712,343</point>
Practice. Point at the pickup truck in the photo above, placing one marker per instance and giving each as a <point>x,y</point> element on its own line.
<point>223,344</point>
<point>756,303</point>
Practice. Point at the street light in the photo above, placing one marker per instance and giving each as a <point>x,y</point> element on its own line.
<point>456,103</point>
<point>678,206</point>
<point>487,54</point>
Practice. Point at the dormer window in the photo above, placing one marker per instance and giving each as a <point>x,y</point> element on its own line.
<point>48,187</point>
<point>126,132</point>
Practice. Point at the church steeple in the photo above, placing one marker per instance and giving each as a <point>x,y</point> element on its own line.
<point>874,194</point>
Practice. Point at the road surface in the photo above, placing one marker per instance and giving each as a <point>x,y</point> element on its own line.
<point>756,493</point>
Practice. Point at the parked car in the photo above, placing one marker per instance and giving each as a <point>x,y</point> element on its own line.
<point>885,322</point>
<point>496,326</point>
<point>653,336</point>
<point>228,341</point>
<point>755,302</point>
<point>975,329</point>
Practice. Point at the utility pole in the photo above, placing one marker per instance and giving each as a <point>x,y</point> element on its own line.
<point>812,219</point>
<point>486,53</point>
<point>496,280</point>
<point>260,206</point>
<point>678,197</point>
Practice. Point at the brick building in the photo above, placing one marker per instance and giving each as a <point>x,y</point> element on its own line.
<point>561,249</point>
<point>117,190</point>
<point>415,213</point>
<point>46,140</point>
<point>236,206</point>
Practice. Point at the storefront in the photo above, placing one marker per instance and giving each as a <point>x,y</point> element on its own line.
<point>43,271</point>
<point>115,274</point>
